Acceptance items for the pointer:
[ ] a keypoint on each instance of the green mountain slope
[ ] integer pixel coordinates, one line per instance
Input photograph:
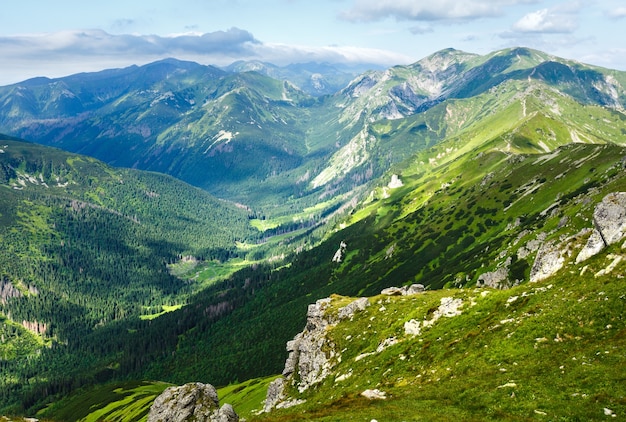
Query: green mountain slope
(548, 350)
(459, 236)
(85, 245)
(456, 172)
(261, 141)
(503, 342)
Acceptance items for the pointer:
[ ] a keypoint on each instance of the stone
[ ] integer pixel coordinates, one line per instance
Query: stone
(610, 217)
(412, 328)
(609, 220)
(594, 245)
(275, 394)
(413, 289)
(227, 414)
(292, 358)
(374, 394)
(392, 291)
(340, 252)
(548, 261)
(495, 279)
(349, 310)
(190, 402)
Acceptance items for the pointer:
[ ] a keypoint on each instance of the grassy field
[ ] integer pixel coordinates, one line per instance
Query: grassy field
(131, 401)
(539, 351)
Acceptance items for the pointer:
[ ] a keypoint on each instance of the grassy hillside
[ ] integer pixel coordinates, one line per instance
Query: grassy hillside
(484, 221)
(111, 275)
(85, 246)
(549, 350)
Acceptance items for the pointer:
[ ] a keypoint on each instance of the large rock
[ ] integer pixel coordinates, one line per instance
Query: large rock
(497, 279)
(275, 394)
(191, 402)
(311, 354)
(548, 261)
(609, 220)
(413, 289)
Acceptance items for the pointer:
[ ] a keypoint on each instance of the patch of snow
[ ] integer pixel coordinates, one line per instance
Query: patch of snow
(222, 135)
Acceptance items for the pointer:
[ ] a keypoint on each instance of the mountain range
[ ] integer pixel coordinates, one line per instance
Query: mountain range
(473, 176)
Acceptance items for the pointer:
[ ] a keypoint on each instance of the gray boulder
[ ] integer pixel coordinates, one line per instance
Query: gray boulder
(413, 289)
(190, 402)
(349, 310)
(548, 261)
(495, 279)
(609, 220)
(275, 394)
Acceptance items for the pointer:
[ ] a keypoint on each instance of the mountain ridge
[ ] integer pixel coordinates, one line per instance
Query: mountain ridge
(169, 123)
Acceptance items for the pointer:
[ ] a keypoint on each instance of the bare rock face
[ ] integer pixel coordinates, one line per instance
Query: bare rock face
(311, 354)
(609, 220)
(190, 402)
(497, 279)
(275, 394)
(550, 258)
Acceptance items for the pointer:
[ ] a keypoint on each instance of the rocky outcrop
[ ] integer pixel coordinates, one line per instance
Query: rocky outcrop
(191, 402)
(497, 279)
(609, 220)
(413, 289)
(311, 354)
(7, 290)
(548, 261)
(341, 252)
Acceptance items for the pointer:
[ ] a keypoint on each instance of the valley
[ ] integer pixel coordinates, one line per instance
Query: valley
(478, 177)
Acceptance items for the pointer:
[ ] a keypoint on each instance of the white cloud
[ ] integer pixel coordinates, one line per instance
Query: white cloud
(617, 13)
(556, 20)
(421, 10)
(66, 52)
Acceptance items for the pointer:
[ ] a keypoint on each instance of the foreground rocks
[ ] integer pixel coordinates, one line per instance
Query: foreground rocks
(311, 355)
(191, 402)
(609, 220)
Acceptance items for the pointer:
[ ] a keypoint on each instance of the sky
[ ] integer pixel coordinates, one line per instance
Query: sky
(63, 37)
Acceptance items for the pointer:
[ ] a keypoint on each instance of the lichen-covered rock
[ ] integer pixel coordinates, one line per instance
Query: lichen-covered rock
(190, 402)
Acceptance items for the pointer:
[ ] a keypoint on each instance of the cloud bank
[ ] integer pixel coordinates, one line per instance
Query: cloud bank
(66, 52)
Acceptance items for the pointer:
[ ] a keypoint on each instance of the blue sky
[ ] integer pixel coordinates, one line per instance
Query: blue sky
(57, 38)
